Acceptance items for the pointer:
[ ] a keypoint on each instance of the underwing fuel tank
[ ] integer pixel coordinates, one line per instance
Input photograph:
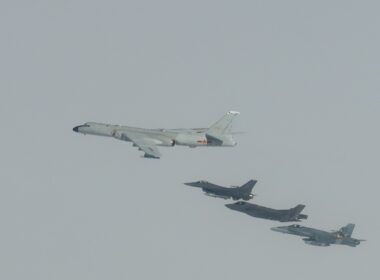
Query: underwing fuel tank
(215, 195)
(315, 243)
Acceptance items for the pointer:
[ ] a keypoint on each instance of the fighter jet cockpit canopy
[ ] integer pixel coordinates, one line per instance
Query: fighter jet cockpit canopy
(240, 203)
(295, 226)
(202, 182)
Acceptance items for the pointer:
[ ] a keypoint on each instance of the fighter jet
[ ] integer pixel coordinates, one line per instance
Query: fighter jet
(318, 237)
(254, 210)
(235, 192)
(147, 140)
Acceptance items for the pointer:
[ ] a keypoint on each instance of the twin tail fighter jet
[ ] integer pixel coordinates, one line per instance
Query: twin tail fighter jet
(147, 140)
(318, 237)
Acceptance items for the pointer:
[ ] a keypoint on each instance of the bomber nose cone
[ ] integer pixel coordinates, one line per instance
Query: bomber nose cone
(75, 129)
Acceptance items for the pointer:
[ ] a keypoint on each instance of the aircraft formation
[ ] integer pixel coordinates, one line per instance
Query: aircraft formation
(312, 236)
(220, 135)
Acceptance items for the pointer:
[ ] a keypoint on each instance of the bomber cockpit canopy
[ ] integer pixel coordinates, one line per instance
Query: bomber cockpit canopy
(87, 124)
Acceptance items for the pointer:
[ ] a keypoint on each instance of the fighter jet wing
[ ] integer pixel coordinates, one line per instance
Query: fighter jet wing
(147, 145)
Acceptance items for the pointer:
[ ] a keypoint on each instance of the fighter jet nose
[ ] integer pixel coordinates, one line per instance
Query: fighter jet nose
(192, 184)
(75, 129)
(278, 229)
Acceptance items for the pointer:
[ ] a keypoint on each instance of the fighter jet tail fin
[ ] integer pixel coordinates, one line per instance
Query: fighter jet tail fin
(296, 212)
(224, 125)
(247, 187)
(347, 230)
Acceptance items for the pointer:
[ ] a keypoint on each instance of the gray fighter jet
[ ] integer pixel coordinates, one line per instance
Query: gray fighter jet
(254, 210)
(318, 237)
(235, 192)
(147, 140)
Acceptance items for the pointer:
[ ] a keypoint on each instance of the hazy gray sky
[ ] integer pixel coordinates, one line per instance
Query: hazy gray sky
(303, 74)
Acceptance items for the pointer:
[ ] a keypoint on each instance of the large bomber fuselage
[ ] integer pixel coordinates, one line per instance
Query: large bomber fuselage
(162, 137)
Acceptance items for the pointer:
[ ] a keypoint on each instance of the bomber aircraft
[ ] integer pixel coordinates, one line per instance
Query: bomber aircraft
(254, 210)
(318, 237)
(147, 140)
(244, 192)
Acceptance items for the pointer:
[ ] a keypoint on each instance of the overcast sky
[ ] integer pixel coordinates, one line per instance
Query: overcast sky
(303, 74)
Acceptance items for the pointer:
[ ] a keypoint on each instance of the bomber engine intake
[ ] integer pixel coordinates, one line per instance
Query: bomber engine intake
(165, 142)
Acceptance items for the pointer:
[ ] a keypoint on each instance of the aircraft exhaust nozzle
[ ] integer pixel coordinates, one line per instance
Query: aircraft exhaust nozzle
(302, 217)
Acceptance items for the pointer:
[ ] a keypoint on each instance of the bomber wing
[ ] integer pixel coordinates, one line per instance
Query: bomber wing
(145, 144)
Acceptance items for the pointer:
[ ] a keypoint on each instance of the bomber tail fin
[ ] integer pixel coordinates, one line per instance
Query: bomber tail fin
(224, 125)
(347, 230)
